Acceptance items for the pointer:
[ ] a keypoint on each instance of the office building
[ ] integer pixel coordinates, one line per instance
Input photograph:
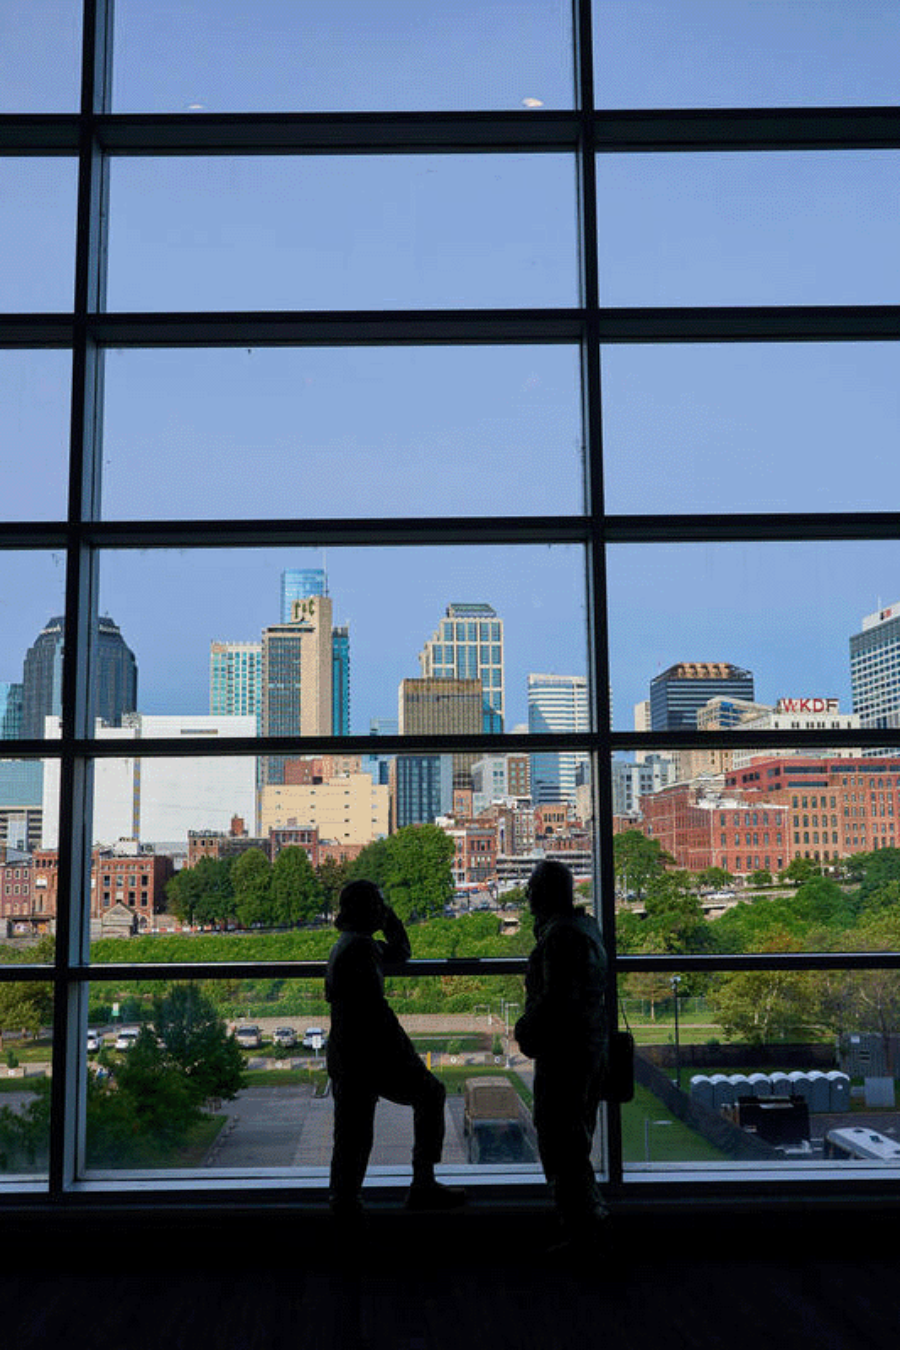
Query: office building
(340, 680)
(557, 704)
(875, 669)
(297, 677)
(679, 692)
(421, 788)
(159, 800)
(114, 676)
(235, 680)
(348, 808)
(299, 583)
(438, 706)
(10, 710)
(468, 645)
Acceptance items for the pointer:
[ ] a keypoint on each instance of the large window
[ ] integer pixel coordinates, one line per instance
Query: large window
(478, 423)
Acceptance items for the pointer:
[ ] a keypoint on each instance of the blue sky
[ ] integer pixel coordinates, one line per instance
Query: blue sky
(459, 431)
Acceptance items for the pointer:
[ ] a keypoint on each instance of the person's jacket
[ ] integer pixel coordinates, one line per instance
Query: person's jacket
(365, 1036)
(565, 991)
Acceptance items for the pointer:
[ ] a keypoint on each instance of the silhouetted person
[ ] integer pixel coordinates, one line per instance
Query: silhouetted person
(370, 1056)
(563, 1029)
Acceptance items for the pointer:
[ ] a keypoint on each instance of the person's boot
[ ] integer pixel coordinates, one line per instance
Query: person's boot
(426, 1192)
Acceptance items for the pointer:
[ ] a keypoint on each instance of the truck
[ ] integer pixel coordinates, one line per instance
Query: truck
(496, 1125)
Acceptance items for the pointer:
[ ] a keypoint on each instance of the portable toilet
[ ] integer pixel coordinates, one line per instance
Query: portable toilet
(839, 1090)
(781, 1084)
(760, 1084)
(740, 1086)
(799, 1085)
(702, 1089)
(819, 1091)
(723, 1093)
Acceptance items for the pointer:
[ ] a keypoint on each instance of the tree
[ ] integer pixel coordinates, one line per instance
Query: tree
(761, 1006)
(333, 876)
(714, 878)
(251, 877)
(27, 1005)
(197, 1042)
(761, 877)
(296, 893)
(370, 864)
(799, 870)
(675, 921)
(419, 880)
(202, 894)
(637, 861)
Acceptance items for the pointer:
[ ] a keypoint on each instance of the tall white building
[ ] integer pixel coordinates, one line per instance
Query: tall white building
(557, 703)
(157, 800)
(875, 669)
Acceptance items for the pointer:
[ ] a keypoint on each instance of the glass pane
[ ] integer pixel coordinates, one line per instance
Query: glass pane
(797, 625)
(26, 1015)
(37, 233)
(762, 1069)
(342, 56)
(361, 620)
(349, 432)
(40, 55)
(690, 53)
(337, 232)
(792, 228)
(681, 434)
(158, 1099)
(27, 906)
(33, 585)
(34, 430)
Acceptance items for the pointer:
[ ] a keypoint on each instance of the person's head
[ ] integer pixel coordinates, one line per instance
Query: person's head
(550, 891)
(360, 908)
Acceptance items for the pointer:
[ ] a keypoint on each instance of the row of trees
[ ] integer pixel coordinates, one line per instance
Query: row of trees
(412, 866)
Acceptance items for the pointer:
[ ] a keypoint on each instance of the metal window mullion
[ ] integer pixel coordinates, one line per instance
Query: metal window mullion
(595, 556)
(76, 770)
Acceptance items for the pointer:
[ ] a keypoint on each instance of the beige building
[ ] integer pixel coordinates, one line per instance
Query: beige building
(351, 809)
(719, 714)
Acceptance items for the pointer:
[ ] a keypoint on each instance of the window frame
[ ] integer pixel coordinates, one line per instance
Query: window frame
(94, 135)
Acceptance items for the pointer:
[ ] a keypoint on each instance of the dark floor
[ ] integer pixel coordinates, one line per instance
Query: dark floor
(476, 1279)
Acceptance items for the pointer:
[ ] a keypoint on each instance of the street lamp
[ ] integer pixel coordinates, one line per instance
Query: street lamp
(506, 1008)
(675, 982)
(647, 1123)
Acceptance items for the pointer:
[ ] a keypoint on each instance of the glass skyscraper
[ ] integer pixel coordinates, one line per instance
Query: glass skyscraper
(875, 669)
(678, 693)
(557, 703)
(299, 583)
(115, 676)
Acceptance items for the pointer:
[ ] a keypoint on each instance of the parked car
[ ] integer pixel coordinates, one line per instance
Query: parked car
(94, 1041)
(284, 1037)
(314, 1038)
(248, 1037)
(127, 1037)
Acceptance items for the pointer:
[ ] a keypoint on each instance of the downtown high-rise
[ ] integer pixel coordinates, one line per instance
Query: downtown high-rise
(468, 645)
(114, 676)
(297, 677)
(557, 703)
(875, 669)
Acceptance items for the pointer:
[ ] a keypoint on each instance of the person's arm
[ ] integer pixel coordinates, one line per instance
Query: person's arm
(395, 949)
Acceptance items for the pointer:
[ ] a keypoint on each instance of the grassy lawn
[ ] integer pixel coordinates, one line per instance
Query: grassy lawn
(27, 1051)
(276, 1077)
(468, 1045)
(668, 1143)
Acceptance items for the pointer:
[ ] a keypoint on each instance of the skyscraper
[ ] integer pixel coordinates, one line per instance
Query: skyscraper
(468, 645)
(235, 680)
(677, 693)
(115, 676)
(297, 677)
(10, 710)
(557, 703)
(340, 680)
(437, 706)
(299, 583)
(875, 669)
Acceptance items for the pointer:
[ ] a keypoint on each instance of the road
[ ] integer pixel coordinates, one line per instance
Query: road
(290, 1127)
